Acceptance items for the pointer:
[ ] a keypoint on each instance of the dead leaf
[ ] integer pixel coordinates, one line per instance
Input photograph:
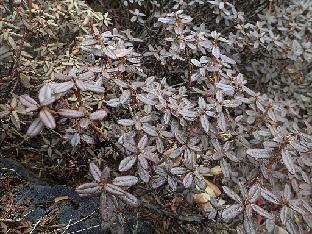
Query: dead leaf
(216, 170)
(215, 188)
(60, 198)
(206, 205)
(201, 198)
(175, 203)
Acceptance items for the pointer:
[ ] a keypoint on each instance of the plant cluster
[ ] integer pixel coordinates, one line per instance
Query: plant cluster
(175, 94)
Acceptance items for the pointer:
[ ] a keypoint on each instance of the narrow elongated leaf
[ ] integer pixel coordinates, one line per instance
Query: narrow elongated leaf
(213, 68)
(88, 189)
(113, 102)
(188, 114)
(35, 127)
(270, 225)
(291, 227)
(202, 103)
(108, 210)
(130, 200)
(98, 115)
(87, 185)
(48, 101)
(248, 225)
(105, 174)
(288, 161)
(88, 75)
(254, 192)
(60, 76)
(143, 142)
(166, 20)
(27, 101)
(269, 196)
(127, 163)
(15, 119)
(122, 52)
(151, 157)
(150, 130)
(284, 214)
(221, 122)
(188, 180)
(113, 189)
(259, 153)
(216, 51)
(261, 211)
(88, 139)
(158, 181)
(121, 83)
(232, 103)
(227, 59)
(70, 113)
(205, 123)
(232, 211)
(232, 194)
(45, 93)
(307, 206)
(126, 181)
(287, 192)
(81, 85)
(130, 147)
(109, 53)
(47, 118)
(143, 162)
(62, 87)
(296, 204)
(126, 122)
(225, 87)
(75, 140)
(95, 172)
(189, 158)
(143, 173)
(94, 88)
(145, 99)
(172, 183)
(125, 96)
(159, 145)
(225, 168)
(176, 153)
(195, 62)
(178, 170)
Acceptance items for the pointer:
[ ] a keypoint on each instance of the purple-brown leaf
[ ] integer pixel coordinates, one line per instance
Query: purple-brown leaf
(47, 118)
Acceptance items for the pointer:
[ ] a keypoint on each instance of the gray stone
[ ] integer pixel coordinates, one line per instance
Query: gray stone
(79, 214)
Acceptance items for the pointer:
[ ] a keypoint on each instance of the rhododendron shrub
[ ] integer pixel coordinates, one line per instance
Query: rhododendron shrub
(183, 112)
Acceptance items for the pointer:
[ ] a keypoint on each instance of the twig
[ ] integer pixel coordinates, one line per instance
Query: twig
(99, 131)
(35, 226)
(67, 226)
(85, 229)
(30, 8)
(72, 224)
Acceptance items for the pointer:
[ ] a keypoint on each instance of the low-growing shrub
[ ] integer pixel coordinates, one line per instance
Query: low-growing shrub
(171, 96)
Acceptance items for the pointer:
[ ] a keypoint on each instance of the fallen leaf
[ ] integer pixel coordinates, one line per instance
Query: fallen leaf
(60, 198)
(206, 205)
(175, 203)
(169, 151)
(216, 170)
(215, 188)
(201, 198)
